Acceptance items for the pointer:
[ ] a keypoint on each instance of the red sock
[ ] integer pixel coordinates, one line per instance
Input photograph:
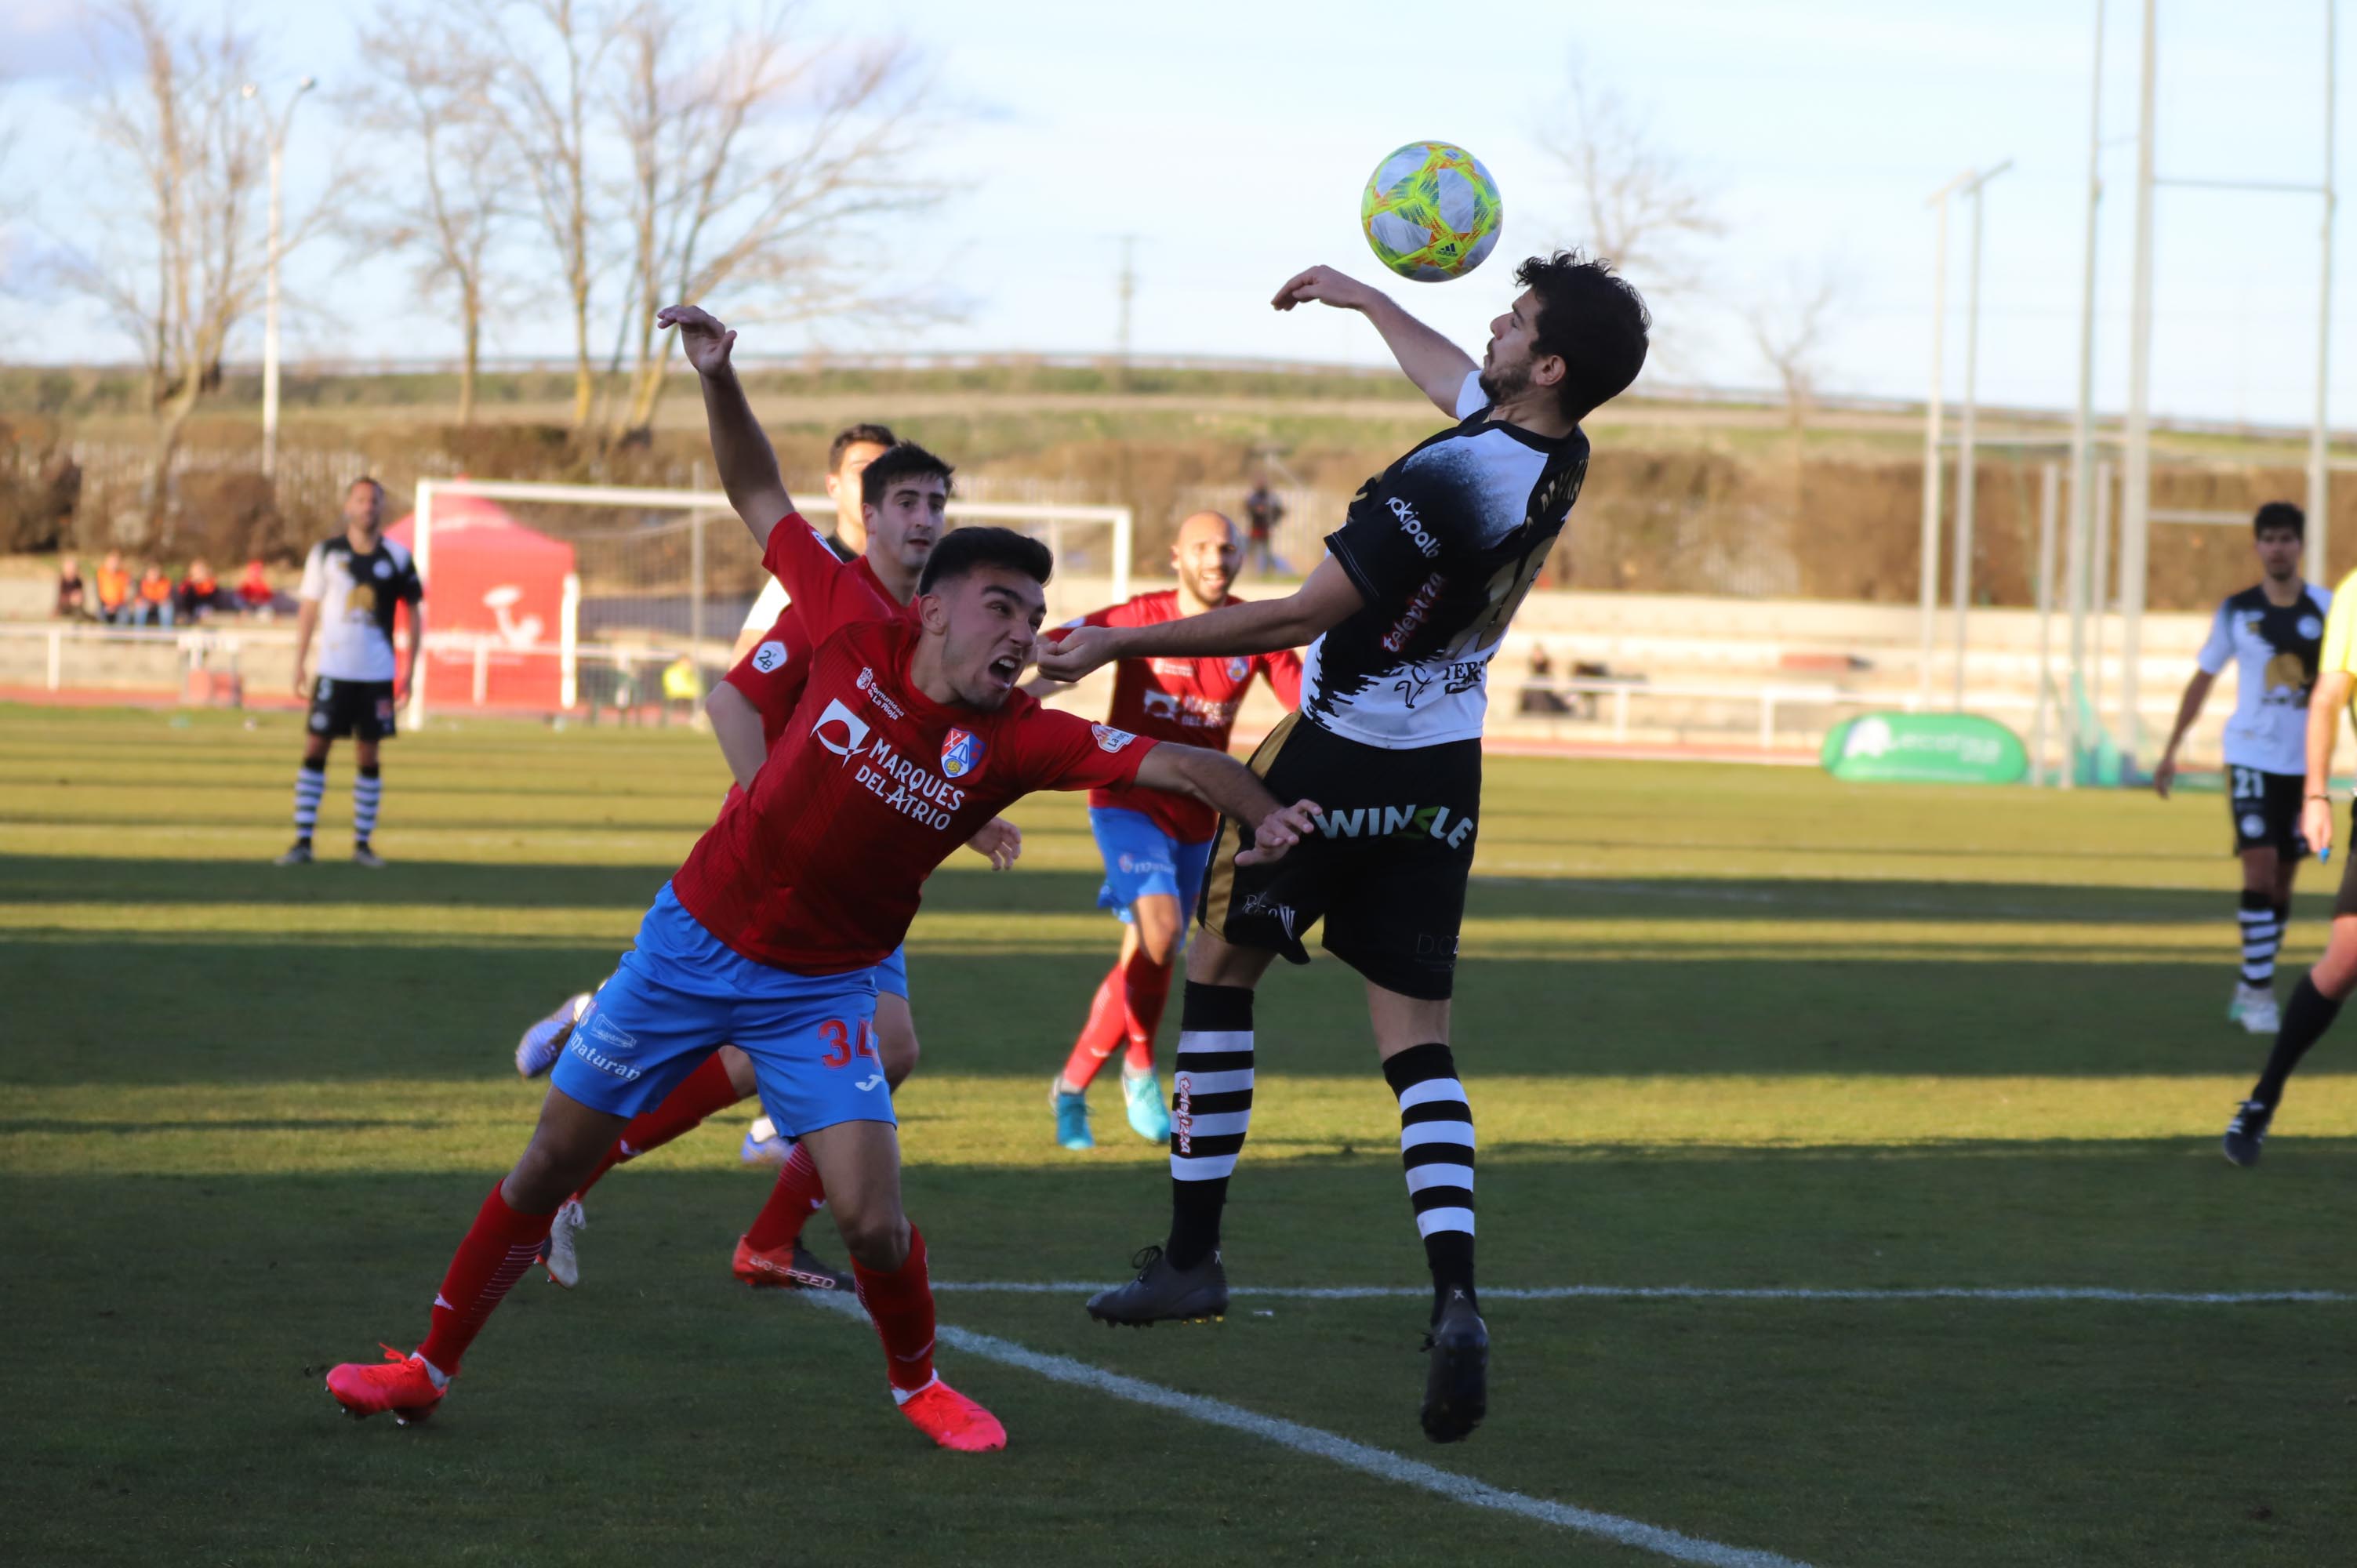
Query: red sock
(902, 1306)
(1102, 1036)
(798, 1194)
(699, 1094)
(499, 1246)
(1146, 986)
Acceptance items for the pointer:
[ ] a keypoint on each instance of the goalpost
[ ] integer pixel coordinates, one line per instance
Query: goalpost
(549, 595)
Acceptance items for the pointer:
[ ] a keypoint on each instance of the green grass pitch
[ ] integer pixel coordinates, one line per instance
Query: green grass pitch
(1721, 1028)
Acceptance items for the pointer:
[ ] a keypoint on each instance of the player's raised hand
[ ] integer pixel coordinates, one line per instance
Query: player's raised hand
(701, 337)
(2316, 823)
(1325, 286)
(1279, 831)
(1075, 650)
(1000, 843)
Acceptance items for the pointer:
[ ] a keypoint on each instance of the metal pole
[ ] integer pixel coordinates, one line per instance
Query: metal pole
(1929, 556)
(696, 582)
(270, 294)
(2103, 581)
(2049, 497)
(2319, 493)
(2084, 418)
(2136, 500)
(1960, 575)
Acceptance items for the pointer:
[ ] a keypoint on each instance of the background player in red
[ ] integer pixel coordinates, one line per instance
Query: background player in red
(1154, 845)
(909, 736)
(907, 492)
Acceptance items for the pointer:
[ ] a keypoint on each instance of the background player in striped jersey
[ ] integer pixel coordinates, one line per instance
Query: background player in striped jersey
(2315, 1000)
(1154, 845)
(1434, 556)
(909, 736)
(352, 584)
(2271, 633)
(905, 494)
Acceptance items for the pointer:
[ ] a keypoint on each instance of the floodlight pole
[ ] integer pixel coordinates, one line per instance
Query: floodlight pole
(2083, 424)
(1968, 447)
(2136, 501)
(1930, 586)
(270, 308)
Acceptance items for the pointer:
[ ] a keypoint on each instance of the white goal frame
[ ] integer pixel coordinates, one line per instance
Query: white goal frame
(567, 648)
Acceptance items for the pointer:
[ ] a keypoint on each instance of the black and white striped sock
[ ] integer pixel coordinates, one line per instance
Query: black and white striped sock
(2262, 929)
(1211, 1106)
(1436, 1150)
(310, 783)
(368, 789)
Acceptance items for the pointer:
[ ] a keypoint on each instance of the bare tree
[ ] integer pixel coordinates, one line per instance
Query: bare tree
(755, 166)
(537, 64)
(448, 202)
(1792, 328)
(1641, 210)
(180, 259)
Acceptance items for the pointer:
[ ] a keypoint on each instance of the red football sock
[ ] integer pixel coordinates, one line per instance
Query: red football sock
(1146, 986)
(499, 1246)
(798, 1194)
(1102, 1036)
(699, 1094)
(901, 1304)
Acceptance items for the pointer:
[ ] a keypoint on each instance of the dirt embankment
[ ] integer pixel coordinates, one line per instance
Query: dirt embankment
(1653, 519)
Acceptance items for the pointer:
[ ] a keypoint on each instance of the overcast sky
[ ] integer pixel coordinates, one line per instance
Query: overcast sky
(1233, 140)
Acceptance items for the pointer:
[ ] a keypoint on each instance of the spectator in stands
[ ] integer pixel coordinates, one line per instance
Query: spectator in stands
(114, 590)
(155, 602)
(72, 596)
(1540, 699)
(198, 593)
(254, 593)
(1263, 512)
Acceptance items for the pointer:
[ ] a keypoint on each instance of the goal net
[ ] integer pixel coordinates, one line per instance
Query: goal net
(552, 599)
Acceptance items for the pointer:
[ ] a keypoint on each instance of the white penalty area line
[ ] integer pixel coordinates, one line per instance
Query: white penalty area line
(1705, 1293)
(1380, 1463)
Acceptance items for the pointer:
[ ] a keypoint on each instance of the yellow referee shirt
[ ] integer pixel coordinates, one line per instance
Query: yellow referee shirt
(2340, 651)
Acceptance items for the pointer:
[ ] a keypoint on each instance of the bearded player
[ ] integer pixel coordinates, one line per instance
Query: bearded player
(909, 736)
(1155, 844)
(905, 493)
(848, 457)
(2272, 633)
(1419, 585)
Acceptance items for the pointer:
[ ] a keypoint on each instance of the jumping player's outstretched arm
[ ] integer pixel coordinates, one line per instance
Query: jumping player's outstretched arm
(1435, 364)
(1219, 780)
(748, 468)
(1263, 626)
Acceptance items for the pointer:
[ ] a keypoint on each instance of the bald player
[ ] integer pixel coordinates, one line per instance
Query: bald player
(1155, 844)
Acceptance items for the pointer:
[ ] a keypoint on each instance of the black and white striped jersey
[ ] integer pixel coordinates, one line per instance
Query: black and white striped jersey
(1442, 545)
(356, 595)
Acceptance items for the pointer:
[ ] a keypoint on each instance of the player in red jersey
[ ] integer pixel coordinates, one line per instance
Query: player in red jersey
(905, 493)
(910, 734)
(1155, 846)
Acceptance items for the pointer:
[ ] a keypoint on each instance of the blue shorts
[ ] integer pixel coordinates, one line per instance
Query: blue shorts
(892, 974)
(1140, 858)
(681, 993)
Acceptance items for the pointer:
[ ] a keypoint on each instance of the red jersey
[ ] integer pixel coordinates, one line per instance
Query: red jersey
(1191, 701)
(771, 675)
(820, 868)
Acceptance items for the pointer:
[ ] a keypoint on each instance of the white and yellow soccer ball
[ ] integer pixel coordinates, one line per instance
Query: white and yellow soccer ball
(1431, 211)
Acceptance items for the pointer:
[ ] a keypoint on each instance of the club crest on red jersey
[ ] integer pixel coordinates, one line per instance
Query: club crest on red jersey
(961, 752)
(1239, 669)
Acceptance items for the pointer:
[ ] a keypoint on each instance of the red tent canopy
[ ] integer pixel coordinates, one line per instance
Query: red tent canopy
(491, 577)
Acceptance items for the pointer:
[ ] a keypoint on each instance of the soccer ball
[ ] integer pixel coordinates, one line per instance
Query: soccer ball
(1431, 211)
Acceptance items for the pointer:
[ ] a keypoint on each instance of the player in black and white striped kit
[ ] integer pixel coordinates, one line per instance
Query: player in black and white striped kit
(1403, 617)
(2272, 634)
(352, 584)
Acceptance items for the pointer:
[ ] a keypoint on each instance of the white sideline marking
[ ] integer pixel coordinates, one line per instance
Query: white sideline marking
(1379, 1463)
(1705, 1293)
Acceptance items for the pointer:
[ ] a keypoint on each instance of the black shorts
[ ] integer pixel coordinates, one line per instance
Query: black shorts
(1386, 871)
(2265, 809)
(358, 708)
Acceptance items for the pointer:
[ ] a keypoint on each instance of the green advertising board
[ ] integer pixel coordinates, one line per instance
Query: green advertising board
(1925, 749)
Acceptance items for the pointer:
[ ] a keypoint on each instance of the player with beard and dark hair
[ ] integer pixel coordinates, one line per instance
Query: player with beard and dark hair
(1401, 618)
